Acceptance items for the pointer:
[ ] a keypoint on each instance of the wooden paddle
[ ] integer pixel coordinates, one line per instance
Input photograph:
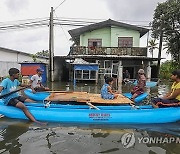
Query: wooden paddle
(5, 95)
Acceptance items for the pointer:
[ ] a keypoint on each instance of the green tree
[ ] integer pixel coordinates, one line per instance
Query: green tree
(166, 26)
(44, 53)
(166, 69)
(34, 57)
(152, 45)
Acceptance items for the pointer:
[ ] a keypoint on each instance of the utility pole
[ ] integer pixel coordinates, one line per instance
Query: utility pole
(51, 46)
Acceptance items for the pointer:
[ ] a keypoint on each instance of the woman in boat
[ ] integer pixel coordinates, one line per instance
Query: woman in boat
(10, 84)
(139, 88)
(106, 90)
(172, 98)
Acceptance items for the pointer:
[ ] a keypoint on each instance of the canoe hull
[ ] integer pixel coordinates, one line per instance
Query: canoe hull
(39, 96)
(138, 99)
(123, 115)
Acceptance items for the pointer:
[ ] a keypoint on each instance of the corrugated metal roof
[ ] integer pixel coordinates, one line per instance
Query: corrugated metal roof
(81, 61)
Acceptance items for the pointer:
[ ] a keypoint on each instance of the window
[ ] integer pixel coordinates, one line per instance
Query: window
(85, 74)
(108, 64)
(94, 42)
(125, 42)
(78, 74)
(93, 75)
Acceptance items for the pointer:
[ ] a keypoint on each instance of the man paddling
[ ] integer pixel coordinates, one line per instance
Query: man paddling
(10, 84)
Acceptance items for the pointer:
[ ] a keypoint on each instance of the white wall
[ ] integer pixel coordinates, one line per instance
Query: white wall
(17, 57)
(5, 66)
(12, 59)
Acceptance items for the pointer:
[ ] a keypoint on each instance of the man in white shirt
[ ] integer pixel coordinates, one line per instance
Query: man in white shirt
(36, 82)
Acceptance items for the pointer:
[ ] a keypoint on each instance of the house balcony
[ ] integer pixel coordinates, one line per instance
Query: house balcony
(119, 51)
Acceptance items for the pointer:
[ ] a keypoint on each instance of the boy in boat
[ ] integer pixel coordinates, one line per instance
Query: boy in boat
(10, 84)
(139, 88)
(172, 98)
(36, 82)
(106, 90)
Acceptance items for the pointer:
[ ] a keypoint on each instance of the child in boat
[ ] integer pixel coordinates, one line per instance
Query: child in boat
(36, 82)
(139, 88)
(10, 84)
(106, 90)
(172, 98)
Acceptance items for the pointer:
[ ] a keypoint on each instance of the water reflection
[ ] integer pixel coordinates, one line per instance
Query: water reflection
(21, 137)
(10, 137)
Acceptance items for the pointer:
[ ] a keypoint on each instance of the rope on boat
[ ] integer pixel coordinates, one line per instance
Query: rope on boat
(46, 103)
(134, 106)
(1, 116)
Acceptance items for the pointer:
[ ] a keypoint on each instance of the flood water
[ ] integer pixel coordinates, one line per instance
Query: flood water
(23, 137)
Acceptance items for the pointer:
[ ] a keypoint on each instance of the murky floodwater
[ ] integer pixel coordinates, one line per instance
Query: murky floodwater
(18, 136)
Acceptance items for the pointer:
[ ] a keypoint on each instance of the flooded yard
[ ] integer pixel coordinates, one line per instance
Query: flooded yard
(19, 136)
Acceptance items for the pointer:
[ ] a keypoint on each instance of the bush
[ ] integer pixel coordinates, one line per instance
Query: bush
(166, 69)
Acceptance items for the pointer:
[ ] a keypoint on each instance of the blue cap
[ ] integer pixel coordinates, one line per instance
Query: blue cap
(40, 70)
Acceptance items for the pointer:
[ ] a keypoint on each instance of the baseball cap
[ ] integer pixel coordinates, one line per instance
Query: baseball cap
(40, 70)
(141, 71)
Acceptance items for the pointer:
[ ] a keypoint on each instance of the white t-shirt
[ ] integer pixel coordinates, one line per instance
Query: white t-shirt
(36, 80)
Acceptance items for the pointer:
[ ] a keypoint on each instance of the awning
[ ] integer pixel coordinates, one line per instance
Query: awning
(86, 67)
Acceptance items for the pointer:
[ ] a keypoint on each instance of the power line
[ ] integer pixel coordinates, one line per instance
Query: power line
(105, 19)
(27, 23)
(59, 4)
(63, 30)
(19, 21)
(90, 22)
(31, 23)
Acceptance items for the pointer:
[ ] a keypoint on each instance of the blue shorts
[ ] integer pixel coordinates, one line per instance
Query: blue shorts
(108, 96)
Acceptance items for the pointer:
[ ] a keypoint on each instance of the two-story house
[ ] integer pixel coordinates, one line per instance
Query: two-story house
(114, 46)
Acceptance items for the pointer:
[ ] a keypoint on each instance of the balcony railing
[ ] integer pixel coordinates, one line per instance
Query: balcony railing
(119, 51)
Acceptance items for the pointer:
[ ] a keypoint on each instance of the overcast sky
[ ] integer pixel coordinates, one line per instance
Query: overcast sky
(32, 40)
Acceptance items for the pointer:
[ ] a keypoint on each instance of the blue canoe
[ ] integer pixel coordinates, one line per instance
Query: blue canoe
(85, 115)
(149, 84)
(40, 96)
(138, 99)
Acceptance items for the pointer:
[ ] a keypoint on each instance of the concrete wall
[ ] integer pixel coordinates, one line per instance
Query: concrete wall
(61, 72)
(17, 57)
(122, 32)
(5, 66)
(110, 36)
(103, 34)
